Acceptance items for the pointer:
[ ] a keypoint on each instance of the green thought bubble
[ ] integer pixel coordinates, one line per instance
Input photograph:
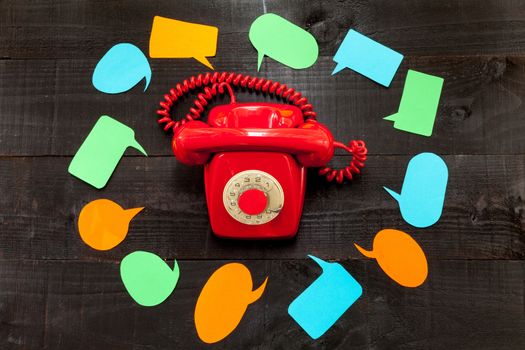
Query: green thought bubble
(280, 39)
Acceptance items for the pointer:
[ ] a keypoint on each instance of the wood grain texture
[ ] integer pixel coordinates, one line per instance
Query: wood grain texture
(53, 104)
(57, 293)
(72, 305)
(483, 215)
(43, 29)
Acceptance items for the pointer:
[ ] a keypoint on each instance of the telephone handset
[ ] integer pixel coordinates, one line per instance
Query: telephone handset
(255, 155)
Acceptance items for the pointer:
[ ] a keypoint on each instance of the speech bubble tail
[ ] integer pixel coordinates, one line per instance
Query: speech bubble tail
(338, 68)
(323, 264)
(148, 79)
(205, 62)
(133, 211)
(175, 267)
(391, 117)
(260, 57)
(256, 294)
(138, 147)
(394, 195)
(367, 253)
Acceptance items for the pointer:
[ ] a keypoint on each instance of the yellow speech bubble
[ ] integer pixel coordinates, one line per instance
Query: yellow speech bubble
(171, 38)
(224, 300)
(399, 256)
(103, 224)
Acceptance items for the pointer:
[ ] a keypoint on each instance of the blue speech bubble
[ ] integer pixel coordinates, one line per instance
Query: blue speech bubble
(120, 69)
(423, 192)
(320, 305)
(367, 57)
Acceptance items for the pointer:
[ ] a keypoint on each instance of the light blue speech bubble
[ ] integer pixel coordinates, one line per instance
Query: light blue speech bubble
(367, 57)
(320, 305)
(423, 193)
(120, 69)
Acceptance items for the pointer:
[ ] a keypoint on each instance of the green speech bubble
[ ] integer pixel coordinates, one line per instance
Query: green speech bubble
(419, 103)
(147, 278)
(100, 153)
(280, 39)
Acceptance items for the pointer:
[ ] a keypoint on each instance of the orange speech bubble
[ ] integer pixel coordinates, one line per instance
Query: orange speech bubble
(399, 256)
(171, 38)
(103, 224)
(224, 300)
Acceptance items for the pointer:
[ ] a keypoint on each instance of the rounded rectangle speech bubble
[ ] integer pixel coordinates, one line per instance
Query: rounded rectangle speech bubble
(171, 38)
(285, 42)
(367, 57)
(419, 103)
(101, 151)
(320, 305)
(423, 193)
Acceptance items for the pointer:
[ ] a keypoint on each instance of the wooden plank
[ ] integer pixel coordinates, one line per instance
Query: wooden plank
(40, 203)
(47, 107)
(43, 29)
(72, 305)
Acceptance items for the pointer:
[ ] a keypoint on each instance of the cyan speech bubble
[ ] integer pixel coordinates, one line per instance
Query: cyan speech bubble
(285, 42)
(423, 192)
(120, 69)
(320, 305)
(367, 57)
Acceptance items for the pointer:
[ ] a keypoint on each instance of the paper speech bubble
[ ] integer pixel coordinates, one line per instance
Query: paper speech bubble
(423, 192)
(171, 38)
(147, 278)
(320, 305)
(101, 151)
(103, 224)
(419, 103)
(399, 256)
(120, 69)
(367, 57)
(285, 42)
(224, 300)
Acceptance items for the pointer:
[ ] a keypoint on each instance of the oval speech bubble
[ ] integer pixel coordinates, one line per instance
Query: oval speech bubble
(147, 278)
(224, 300)
(285, 42)
(423, 193)
(103, 224)
(399, 256)
(120, 69)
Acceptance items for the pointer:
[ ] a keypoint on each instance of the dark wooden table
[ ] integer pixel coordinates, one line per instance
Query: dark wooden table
(57, 293)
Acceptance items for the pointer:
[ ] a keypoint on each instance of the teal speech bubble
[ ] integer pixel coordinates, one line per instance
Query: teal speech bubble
(423, 193)
(285, 42)
(120, 69)
(368, 57)
(320, 305)
(99, 154)
(147, 278)
(419, 103)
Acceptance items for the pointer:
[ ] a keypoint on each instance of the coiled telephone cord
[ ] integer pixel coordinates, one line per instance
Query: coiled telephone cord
(216, 83)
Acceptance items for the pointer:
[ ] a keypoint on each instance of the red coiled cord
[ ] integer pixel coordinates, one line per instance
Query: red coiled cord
(214, 83)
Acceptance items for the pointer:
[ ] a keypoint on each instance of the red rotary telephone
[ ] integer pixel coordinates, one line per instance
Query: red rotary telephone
(255, 154)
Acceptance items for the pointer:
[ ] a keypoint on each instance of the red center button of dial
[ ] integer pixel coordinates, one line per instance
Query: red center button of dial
(253, 201)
